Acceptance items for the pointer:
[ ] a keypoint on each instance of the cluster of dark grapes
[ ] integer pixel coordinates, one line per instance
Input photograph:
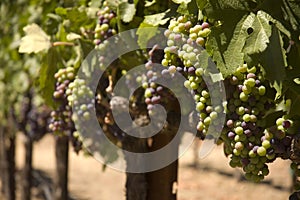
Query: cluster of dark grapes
(61, 117)
(249, 144)
(104, 30)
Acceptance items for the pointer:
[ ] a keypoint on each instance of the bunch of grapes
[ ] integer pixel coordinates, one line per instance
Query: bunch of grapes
(250, 144)
(82, 100)
(104, 28)
(153, 91)
(61, 117)
(186, 39)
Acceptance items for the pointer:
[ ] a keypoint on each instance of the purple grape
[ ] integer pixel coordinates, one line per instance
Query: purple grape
(251, 75)
(286, 124)
(231, 135)
(205, 25)
(155, 99)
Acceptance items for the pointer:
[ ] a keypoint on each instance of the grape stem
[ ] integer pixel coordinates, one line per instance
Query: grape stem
(60, 43)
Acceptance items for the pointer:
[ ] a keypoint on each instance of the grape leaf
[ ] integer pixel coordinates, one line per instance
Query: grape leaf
(145, 32)
(35, 40)
(157, 19)
(273, 60)
(232, 4)
(233, 55)
(148, 28)
(201, 4)
(259, 37)
(46, 79)
(287, 12)
(126, 11)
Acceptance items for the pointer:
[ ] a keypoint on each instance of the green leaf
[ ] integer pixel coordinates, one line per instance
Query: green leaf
(233, 55)
(126, 11)
(270, 119)
(145, 32)
(35, 40)
(156, 19)
(260, 32)
(273, 61)
(61, 11)
(201, 4)
(114, 4)
(233, 4)
(148, 28)
(46, 79)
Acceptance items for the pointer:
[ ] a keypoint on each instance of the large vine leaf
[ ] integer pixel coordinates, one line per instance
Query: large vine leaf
(287, 12)
(261, 30)
(35, 40)
(234, 57)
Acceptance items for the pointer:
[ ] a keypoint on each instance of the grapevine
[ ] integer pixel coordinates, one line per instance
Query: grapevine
(254, 46)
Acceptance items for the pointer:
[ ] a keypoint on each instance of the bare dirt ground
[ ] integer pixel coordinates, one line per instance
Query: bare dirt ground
(213, 179)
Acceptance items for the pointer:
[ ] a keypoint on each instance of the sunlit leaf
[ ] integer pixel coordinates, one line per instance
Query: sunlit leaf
(35, 40)
(126, 11)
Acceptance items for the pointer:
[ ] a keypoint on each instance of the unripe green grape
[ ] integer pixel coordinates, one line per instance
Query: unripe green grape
(213, 115)
(261, 151)
(200, 106)
(243, 97)
(240, 110)
(207, 121)
(262, 90)
(148, 93)
(194, 85)
(246, 117)
(279, 121)
(239, 130)
(266, 144)
(197, 98)
(204, 33)
(202, 99)
(250, 82)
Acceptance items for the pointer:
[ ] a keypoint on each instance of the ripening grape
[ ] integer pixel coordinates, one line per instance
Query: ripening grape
(246, 106)
(105, 27)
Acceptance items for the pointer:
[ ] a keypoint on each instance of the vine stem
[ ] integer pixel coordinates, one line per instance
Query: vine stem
(60, 43)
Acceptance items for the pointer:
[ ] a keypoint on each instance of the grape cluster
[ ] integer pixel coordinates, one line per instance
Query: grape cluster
(186, 39)
(104, 28)
(82, 99)
(153, 91)
(61, 117)
(250, 144)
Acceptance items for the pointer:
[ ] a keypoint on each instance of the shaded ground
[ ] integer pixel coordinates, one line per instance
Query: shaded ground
(212, 179)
